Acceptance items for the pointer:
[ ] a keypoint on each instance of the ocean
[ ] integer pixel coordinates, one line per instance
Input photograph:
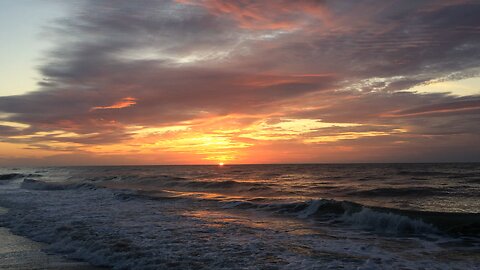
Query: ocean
(302, 216)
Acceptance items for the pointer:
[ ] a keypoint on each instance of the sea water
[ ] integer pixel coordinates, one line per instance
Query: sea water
(311, 216)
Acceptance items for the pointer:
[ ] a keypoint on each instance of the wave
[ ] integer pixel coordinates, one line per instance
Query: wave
(454, 223)
(451, 175)
(160, 182)
(407, 191)
(11, 176)
(423, 173)
(379, 219)
(230, 184)
(307, 209)
(183, 184)
(34, 184)
(388, 222)
(474, 180)
(464, 175)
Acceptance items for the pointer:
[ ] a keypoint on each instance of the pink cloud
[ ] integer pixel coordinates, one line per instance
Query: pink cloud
(124, 103)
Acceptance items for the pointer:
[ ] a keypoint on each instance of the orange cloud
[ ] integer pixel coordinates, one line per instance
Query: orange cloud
(124, 103)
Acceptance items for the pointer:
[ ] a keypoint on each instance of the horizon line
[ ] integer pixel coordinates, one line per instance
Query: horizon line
(250, 164)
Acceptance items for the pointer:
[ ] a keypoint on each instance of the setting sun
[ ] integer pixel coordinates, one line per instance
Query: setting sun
(221, 164)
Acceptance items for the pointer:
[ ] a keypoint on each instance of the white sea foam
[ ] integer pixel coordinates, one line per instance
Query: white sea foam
(388, 222)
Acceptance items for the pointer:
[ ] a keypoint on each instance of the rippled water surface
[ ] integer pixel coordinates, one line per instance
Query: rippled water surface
(358, 216)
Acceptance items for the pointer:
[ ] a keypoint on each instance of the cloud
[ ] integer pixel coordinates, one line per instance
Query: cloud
(239, 72)
(123, 103)
(467, 106)
(266, 15)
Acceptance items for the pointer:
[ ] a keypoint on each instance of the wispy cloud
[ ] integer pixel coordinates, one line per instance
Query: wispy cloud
(124, 103)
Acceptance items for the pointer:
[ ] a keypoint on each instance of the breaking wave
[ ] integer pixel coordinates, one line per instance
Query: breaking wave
(384, 220)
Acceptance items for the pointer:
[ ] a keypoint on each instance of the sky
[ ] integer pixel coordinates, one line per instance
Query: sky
(202, 82)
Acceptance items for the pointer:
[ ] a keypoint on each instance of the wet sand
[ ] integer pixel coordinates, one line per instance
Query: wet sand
(18, 252)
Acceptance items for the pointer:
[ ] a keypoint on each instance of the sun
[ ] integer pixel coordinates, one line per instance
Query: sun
(221, 164)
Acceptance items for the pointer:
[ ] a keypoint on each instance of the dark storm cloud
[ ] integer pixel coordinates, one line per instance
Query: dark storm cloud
(186, 60)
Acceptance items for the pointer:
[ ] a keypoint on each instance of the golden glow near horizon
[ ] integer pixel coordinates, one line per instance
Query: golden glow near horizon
(204, 142)
(217, 138)
(254, 82)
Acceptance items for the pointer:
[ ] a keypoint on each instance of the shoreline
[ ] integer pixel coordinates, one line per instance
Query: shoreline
(18, 253)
